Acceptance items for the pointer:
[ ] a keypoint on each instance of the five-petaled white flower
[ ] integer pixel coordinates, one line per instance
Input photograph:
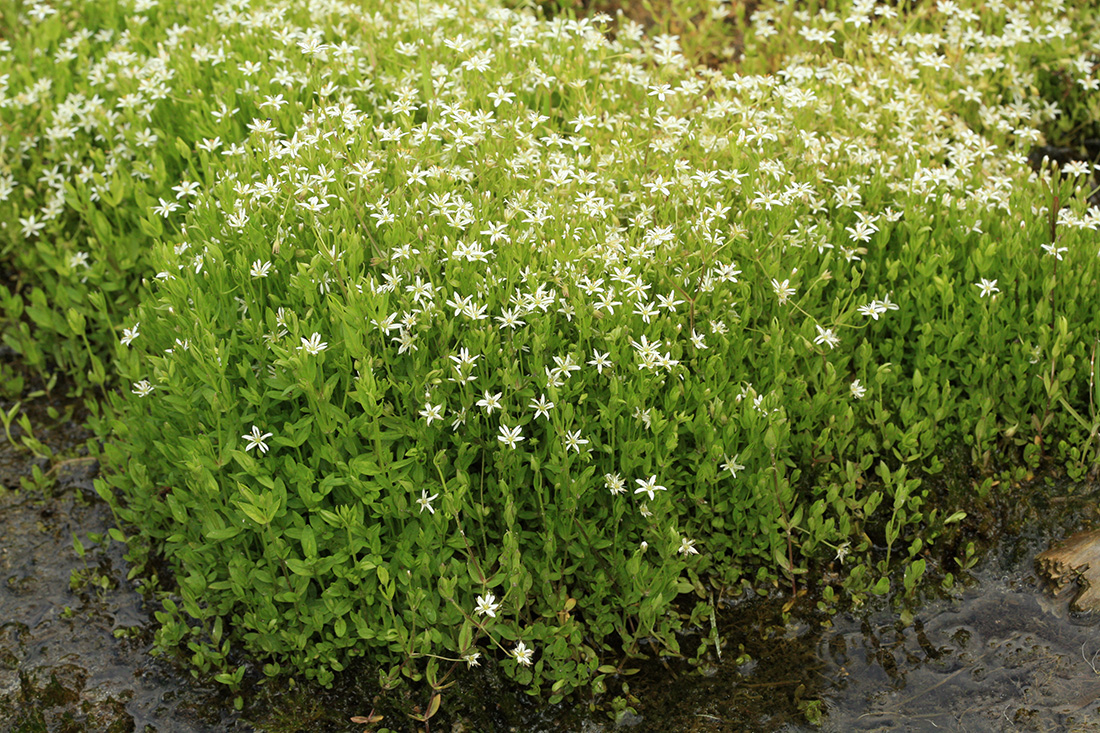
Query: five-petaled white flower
(687, 547)
(600, 361)
(487, 606)
(510, 436)
(432, 412)
(129, 334)
(826, 336)
(523, 654)
(142, 388)
(614, 483)
(987, 287)
(256, 440)
(732, 465)
(648, 486)
(165, 208)
(472, 659)
(313, 345)
(783, 290)
(542, 407)
(490, 402)
(575, 441)
(858, 390)
(425, 501)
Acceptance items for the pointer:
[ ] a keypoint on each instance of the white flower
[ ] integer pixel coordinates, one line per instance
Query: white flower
(31, 226)
(510, 436)
(523, 654)
(129, 334)
(600, 361)
(425, 501)
(783, 290)
(490, 402)
(615, 483)
(1055, 250)
(313, 345)
(987, 287)
(471, 659)
(858, 390)
(542, 407)
(142, 388)
(431, 412)
(826, 336)
(165, 208)
(260, 269)
(687, 547)
(873, 309)
(186, 188)
(256, 440)
(732, 465)
(648, 486)
(575, 441)
(487, 606)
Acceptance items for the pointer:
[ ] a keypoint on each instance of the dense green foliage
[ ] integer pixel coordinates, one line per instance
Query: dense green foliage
(486, 336)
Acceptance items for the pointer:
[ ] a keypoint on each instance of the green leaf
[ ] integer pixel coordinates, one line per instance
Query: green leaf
(225, 533)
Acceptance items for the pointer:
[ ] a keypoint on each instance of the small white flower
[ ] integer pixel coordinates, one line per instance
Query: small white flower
(574, 440)
(313, 345)
(783, 290)
(165, 208)
(732, 465)
(687, 547)
(129, 334)
(600, 361)
(874, 309)
(432, 412)
(523, 654)
(987, 287)
(648, 486)
(510, 436)
(472, 659)
(1055, 250)
(425, 501)
(490, 402)
(615, 483)
(487, 606)
(256, 440)
(858, 390)
(260, 269)
(542, 407)
(186, 188)
(826, 336)
(142, 388)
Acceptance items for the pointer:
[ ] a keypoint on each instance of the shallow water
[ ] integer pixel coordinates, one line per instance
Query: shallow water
(999, 654)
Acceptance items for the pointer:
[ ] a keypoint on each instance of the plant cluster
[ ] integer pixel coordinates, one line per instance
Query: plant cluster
(466, 335)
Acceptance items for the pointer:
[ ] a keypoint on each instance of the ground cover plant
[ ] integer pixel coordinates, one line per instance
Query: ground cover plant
(479, 336)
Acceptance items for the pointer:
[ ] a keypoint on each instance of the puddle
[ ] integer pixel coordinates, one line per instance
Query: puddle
(1002, 654)
(61, 666)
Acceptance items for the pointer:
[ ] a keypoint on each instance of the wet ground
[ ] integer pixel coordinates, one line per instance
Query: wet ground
(998, 653)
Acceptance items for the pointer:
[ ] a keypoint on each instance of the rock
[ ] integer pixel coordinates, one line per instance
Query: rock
(1075, 559)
